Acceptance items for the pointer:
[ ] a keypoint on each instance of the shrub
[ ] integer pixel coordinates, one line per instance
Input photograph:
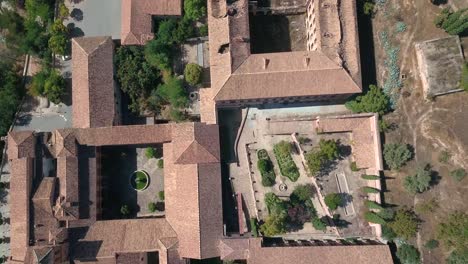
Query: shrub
(408, 254)
(396, 155)
(160, 163)
(58, 40)
(195, 9)
(334, 200)
(427, 206)
(374, 101)
(152, 207)
(274, 204)
(419, 182)
(354, 166)
(368, 189)
(373, 205)
(452, 231)
(262, 154)
(125, 210)
(405, 224)
(161, 195)
(400, 27)
(203, 31)
(458, 174)
(287, 166)
(370, 177)
(431, 244)
(193, 73)
(458, 257)
(444, 156)
(265, 166)
(319, 224)
(150, 153)
(372, 217)
(254, 226)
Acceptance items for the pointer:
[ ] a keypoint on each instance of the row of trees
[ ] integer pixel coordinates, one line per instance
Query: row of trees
(10, 95)
(454, 23)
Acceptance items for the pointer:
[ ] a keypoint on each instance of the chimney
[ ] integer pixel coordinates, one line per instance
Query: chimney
(307, 62)
(265, 63)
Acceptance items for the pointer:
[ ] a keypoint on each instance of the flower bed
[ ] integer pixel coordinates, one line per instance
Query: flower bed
(285, 162)
(265, 166)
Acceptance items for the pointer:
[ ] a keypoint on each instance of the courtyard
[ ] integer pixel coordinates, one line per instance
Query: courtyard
(132, 178)
(262, 130)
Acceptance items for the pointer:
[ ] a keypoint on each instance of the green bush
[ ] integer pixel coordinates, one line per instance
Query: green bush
(286, 164)
(319, 224)
(150, 153)
(193, 74)
(265, 166)
(161, 195)
(452, 231)
(387, 214)
(152, 207)
(458, 174)
(407, 254)
(368, 189)
(329, 148)
(315, 161)
(275, 224)
(372, 217)
(454, 23)
(431, 244)
(396, 155)
(58, 40)
(370, 177)
(173, 92)
(334, 200)
(254, 226)
(48, 83)
(373, 205)
(444, 156)
(458, 257)
(354, 166)
(405, 224)
(125, 210)
(203, 31)
(425, 207)
(388, 233)
(160, 163)
(419, 182)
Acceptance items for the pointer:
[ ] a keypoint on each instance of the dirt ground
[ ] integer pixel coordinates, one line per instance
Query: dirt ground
(430, 127)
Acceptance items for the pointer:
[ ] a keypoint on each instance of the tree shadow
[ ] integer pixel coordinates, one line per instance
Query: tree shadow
(74, 31)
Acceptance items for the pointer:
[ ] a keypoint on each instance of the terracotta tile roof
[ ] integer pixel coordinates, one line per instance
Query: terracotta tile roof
(20, 188)
(93, 82)
(365, 136)
(21, 145)
(125, 135)
(64, 142)
(190, 187)
(105, 238)
(67, 173)
(136, 18)
(238, 75)
(363, 254)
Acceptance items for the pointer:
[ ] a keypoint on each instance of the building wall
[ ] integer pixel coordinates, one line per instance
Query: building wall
(311, 25)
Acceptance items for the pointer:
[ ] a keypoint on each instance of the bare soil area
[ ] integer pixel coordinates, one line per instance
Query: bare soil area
(430, 127)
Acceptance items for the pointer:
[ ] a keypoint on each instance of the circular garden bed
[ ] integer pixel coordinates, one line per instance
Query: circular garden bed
(139, 180)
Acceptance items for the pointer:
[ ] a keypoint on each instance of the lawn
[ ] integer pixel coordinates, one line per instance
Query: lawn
(286, 164)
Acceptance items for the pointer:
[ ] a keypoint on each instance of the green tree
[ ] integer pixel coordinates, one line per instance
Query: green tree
(64, 12)
(302, 193)
(334, 200)
(173, 92)
(315, 160)
(54, 87)
(408, 254)
(185, 30)
(193, 73)
(319, 224)
(59, 38)
(195, 9)
(374, 101)
(396, 155)
(275, 224)
(135, 76)
(405, 224)
(36, 88)
(166, 31)
(454, 23)
(419, 182)
(372, 217)
(159, 54)
(10, 95)
(329, 149)
(453, 231)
